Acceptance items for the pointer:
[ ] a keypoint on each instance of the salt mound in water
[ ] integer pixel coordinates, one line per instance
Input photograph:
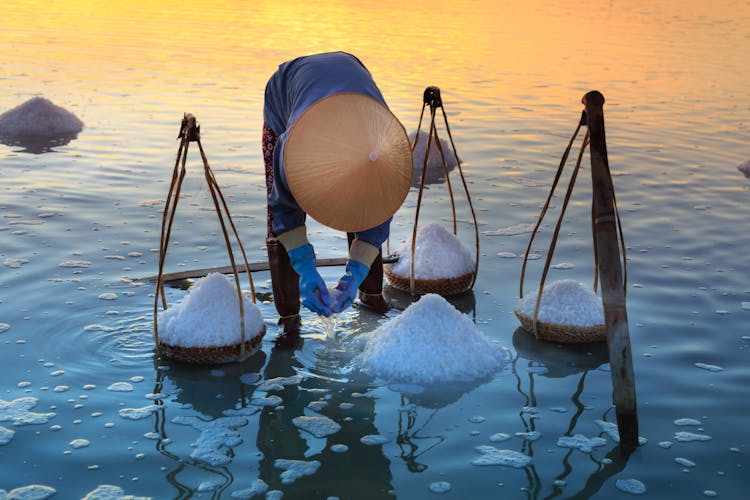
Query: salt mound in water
(208, 316)
(435, 171)
(39, 117)
(438, 254)
(564, 302)
(745, 168)
(430, 342)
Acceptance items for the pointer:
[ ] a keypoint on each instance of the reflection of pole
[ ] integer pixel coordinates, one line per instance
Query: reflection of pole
(610, 267)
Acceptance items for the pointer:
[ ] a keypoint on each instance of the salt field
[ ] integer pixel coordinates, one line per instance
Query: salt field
(447, 399)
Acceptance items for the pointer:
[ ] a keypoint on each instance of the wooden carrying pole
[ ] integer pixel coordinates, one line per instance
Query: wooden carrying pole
(610, 267)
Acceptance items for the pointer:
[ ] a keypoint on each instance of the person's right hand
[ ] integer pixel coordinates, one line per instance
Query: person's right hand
(312, 289)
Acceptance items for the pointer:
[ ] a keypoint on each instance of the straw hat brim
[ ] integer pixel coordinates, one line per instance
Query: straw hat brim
(348, 162)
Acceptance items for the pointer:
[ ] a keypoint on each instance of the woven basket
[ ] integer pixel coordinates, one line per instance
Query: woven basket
(213, 355)
(563, 334)
(442, 286)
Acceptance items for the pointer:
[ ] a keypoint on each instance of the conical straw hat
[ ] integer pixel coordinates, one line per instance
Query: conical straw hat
(348, 162)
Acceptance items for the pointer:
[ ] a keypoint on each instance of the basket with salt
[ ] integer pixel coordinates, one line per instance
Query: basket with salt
(204, 327)
(215, 323)
(442, 265)
(569, 313)
(433, 260)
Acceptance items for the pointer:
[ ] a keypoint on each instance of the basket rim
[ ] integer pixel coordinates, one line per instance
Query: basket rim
(252, 339)
(565, 334)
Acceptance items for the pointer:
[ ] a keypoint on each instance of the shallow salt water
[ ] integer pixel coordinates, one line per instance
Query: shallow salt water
(80, 227)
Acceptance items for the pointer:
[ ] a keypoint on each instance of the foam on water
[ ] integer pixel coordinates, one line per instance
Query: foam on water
(258, 488)
(632, 486)
(278, 383)
(495, 456)
(440, 487)
(580, 442)
(687, 437)
(30, 492)
(138, 413)
(319, 426)
(295, 469)
(687, 421)
(565, 302)
(216, 439)
(6, 435)
(430, 342)
(209, 315)
(19, 412)
(373, 439)
(438, 254)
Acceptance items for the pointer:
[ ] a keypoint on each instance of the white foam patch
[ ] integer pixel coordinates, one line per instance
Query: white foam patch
(19, 412)
(438, 254)
(39, 117)
(565, 302)
(269, 401)
(581, 443)
(611, 430)
(138, 413)
(440, 487)
(4, 327)
(495, 456)
(278, 383)
(373, 439)
(110, 492)
(216, 439)
(511, 230)
(710, 368)
(15, 263)
(209, 315)
(319, 426)
(685, 462)
(431, 341)
(75, 264)
(258, 487)
(687, 437)
(632, 486)
(687, 421)
(79, 443)
(32, 492)
(295, 469)
(6, 435)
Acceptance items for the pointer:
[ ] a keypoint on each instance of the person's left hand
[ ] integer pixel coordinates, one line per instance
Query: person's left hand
(348, 285)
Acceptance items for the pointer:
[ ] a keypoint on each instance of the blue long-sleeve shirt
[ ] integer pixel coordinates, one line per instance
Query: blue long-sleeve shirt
(292, 89)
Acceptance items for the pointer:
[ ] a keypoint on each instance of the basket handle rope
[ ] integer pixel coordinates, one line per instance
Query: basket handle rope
(190, 132)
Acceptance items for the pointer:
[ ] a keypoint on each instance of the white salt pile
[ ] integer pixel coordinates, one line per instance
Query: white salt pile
(39, 117)
(430, 342)
(745, 168)
(209, 316)
(435, 169)
(564, 302)
(438, 254)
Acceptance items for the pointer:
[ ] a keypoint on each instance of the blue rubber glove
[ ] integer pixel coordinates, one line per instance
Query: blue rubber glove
(312, 288)
(348, 284)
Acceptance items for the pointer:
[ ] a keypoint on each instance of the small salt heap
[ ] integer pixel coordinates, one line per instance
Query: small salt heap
(564, 302)
(745, 168)
(435, 172)
(39, 117)
(430, 342)
(438, 255)
(208, 316)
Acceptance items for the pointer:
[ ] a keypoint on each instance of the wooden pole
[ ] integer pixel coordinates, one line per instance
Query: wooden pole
(610, 267)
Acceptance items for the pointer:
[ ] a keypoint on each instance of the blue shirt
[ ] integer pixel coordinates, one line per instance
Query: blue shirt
(292, 89)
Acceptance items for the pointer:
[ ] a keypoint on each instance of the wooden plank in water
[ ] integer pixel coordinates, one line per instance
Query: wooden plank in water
(254, 267)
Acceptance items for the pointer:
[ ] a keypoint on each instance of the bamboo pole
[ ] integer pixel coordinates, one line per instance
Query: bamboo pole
(611, 271)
